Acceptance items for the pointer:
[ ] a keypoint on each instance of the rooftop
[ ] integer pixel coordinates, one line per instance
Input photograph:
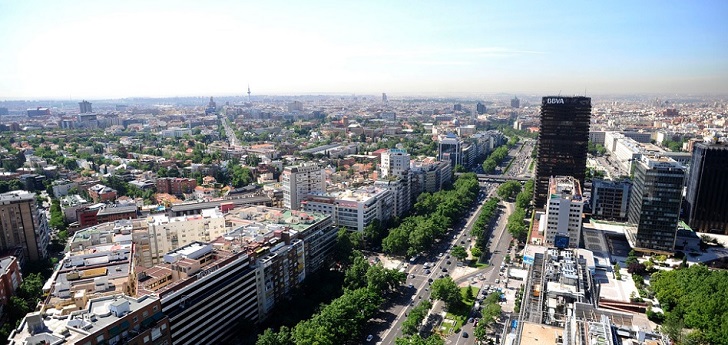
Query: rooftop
(98, 314)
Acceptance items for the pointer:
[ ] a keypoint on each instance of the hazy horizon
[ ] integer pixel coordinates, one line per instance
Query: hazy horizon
(135, 49)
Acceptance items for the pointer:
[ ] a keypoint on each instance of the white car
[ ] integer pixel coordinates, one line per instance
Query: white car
(370, 337)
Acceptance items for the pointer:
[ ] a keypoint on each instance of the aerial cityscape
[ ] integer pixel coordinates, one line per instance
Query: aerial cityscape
(283, 173)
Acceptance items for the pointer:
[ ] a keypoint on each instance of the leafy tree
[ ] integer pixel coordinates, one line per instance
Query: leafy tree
(269, 337)
(476, 252)
(509, 189)
(459, 253)
(412, 324)
(343, 247)
(355, 276)
(617, 273)
(447, 291)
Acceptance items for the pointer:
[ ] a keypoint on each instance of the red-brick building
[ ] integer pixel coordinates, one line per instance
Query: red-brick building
(10, 278)
(176, 185)
(101, 193)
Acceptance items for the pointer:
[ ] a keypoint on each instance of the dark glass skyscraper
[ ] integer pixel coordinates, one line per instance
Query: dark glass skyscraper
(654, 205)
(707, 195)
(562, 141)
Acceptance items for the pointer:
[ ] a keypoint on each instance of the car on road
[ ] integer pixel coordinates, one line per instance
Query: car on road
(411, 286)
(427, 272)
(429, 280)
(444, 269)
(448, 262)
(465, 334)
(370, 337)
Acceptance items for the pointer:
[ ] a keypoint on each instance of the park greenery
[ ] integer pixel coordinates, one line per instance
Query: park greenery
(447, 291)
(434, 214)
(694, 298)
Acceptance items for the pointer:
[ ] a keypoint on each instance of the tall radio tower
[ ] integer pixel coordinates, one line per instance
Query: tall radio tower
(249, 93)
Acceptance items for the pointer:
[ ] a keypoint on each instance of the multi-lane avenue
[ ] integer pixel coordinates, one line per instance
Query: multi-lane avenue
(438, 263)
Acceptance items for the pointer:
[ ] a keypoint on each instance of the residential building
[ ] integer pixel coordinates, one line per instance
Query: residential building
(176, 185)
(395, 163)
(654, 206)
(10, 279)
(169, 233)
(707, 193)
(564, 209)
(401, 193)
(562, 141)
(101, 193)
(450, 149)
(113, 319)
(23, 225)
(610, 199)
(298, 181)
(61, 187)
(90, 215)
(353, 209)
(429, 175)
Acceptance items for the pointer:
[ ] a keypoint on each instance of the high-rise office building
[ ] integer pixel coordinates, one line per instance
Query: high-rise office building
(610, 199)
(562, 141)
(563, 212)
(515, 102)
(298, 181)
(480, 108)
(450, 149)
(654, 205)
(384, 98)
(85, 107)
(23, 225)
(707, 194)
(457, 107)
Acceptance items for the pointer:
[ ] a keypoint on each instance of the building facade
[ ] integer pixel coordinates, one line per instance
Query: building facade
(353, 209)
(176, 185)
(610, 199)
(707, 193)
(654, 206)
(10, 279)
(298, 181)
(23, 225)
(564, 209)
(450, 149)
(395, 163)
(562, 141)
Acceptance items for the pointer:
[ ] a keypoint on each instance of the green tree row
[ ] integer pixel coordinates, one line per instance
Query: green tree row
(434, 214)
(414, 320)
(495, 158)
(517, 226)
(490, 311)
(344, 318)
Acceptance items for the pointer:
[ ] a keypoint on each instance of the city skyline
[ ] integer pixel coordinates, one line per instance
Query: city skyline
(96, 50)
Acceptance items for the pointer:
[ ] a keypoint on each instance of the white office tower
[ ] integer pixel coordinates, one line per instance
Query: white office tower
(564, 208)
(299, 181)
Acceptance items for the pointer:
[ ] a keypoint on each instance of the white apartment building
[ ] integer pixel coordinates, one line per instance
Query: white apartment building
(298, 181)
(564, 209)
(395, 162)
(169, 233)
(353, 209)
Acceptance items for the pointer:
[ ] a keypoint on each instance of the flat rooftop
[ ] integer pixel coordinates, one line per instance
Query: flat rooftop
(533, 333)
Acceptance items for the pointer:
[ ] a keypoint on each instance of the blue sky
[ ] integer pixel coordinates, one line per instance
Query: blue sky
(113, 49)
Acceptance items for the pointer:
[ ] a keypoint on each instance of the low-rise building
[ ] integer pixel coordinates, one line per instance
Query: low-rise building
(101, 193)
(168, 233)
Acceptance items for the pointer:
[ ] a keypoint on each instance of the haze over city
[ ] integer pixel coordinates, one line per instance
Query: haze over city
(89, 49)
